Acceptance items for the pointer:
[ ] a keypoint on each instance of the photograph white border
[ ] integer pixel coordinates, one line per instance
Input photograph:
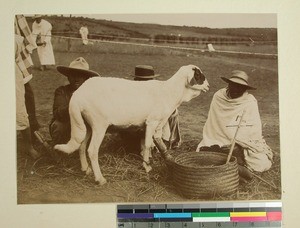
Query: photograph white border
(103, 215)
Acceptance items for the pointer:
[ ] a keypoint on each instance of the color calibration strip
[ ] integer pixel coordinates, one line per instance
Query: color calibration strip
(256, 214)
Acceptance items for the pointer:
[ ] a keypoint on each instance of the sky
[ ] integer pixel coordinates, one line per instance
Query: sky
(213, 20)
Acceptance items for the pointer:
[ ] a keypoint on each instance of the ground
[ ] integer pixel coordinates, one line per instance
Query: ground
(45, 181)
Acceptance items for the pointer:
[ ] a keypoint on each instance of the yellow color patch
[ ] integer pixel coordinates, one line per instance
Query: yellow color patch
(248, 214)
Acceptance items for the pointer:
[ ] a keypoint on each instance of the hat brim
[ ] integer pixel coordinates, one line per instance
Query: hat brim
(35, 17)
(69, 72)
(247, 86)
(149, 77)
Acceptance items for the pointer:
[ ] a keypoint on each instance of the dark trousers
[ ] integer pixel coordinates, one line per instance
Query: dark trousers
(60, 132)
(30, 106)
(237, 151)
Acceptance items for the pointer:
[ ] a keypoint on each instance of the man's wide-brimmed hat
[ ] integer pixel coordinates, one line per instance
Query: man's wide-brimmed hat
(239, 77)
(144, 71)
(37, 16)
(77, 67)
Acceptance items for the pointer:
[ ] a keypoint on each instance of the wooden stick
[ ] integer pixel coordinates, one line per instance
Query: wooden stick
(233, 140)
(42, 140)
(263, 180)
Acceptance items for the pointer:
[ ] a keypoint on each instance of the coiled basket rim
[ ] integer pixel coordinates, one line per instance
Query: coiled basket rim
(178, 160)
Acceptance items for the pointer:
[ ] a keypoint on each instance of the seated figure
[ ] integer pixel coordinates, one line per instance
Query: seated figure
(227, 107)
(170, 133)
(77, 73)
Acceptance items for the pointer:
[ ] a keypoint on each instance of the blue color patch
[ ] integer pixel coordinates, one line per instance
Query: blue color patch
(172, 215)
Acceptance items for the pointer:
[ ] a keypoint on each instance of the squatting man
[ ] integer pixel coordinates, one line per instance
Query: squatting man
(227, 107)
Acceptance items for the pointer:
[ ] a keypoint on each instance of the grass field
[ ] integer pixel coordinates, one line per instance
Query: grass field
(44, 181)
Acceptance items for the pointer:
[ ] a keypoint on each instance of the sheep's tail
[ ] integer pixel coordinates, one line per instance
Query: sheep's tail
(78, 130)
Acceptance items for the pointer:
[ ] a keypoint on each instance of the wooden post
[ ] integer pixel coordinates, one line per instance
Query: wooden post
(69, 39)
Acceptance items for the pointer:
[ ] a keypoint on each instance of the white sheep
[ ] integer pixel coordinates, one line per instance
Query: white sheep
(102, 102)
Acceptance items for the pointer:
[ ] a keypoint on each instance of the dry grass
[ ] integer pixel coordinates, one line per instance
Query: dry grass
(45, 181)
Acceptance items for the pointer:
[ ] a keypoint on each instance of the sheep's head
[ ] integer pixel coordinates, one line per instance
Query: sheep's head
(196, 80)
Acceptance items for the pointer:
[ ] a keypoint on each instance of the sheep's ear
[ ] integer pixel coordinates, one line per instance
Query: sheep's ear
(198, 76)
(193, 81)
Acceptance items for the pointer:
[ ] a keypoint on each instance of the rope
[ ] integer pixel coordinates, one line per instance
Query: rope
(176, 40)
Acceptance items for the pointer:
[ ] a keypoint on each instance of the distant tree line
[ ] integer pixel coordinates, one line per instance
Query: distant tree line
(170, 39)
(207, 40)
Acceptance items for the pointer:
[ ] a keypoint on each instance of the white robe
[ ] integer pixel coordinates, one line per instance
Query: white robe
(45, 53)
(221, 125)
(84, 34)
(22, 121)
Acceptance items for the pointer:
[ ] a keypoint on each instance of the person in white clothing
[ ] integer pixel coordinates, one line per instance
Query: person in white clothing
(41, 30)
(230, 107)
(22, 122)
(84, 34)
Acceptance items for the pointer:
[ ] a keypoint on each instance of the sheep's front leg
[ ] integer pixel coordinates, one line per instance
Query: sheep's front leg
(143, 148)
(82, 153)
(157, 139)
(150, 128)
(96, 140)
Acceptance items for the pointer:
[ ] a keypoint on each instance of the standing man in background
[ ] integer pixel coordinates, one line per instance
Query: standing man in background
(84, 34)
(23, 48)
(41, 30)
(25, 64)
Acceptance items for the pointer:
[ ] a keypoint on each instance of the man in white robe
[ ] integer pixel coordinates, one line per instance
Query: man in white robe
(41, 30)
(84, 34)
(227, 107)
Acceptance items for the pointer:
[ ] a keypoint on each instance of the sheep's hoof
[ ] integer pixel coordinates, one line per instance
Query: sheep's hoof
(168, 157)
(88, 171)
(63, 148)
(142, 154)
(58, 147)
(147, 167)
(101, 182)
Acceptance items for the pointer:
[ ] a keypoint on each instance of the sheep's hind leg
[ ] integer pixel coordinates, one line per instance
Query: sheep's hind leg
(82, 153)
(96, 140)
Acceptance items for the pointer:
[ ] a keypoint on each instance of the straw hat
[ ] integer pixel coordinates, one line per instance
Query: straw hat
(77, 67)
(37, 16)
(144, 72)
(239, 77)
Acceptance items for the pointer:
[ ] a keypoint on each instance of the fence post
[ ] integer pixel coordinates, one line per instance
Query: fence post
(69, 39)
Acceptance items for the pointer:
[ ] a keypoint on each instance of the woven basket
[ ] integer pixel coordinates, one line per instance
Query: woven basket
(204, 174)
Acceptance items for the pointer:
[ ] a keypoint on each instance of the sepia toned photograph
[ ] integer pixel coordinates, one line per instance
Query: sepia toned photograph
(118, 108)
